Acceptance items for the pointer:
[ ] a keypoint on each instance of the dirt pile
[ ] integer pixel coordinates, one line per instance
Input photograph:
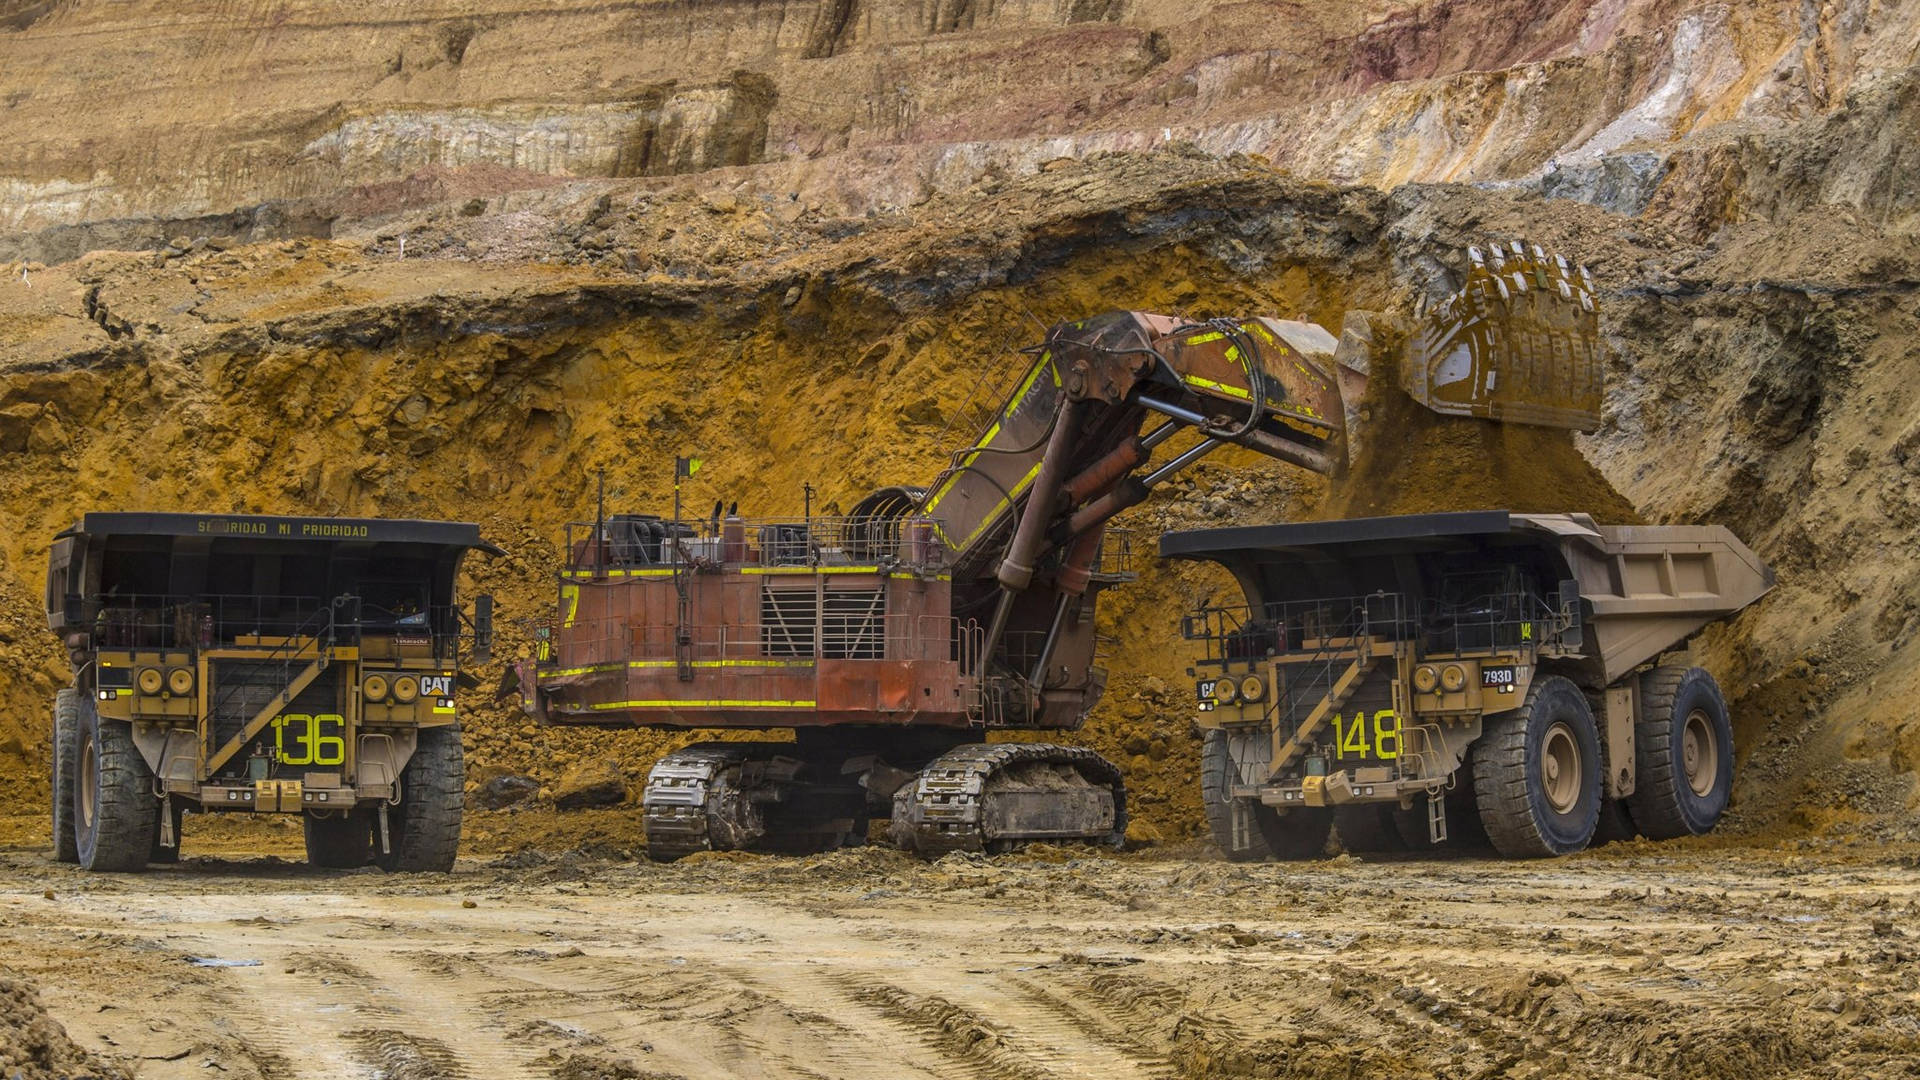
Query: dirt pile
(1412, 460)
(33, 1046)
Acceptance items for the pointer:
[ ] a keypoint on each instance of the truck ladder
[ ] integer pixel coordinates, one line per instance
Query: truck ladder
(1336, 696)
(265, 716)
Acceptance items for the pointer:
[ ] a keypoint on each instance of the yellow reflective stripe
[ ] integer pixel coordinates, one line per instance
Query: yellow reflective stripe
(585, 574)
(438, 711)
(1045, 363)
(994, 514)
(1230, 391)
(703, 705)
(720, 663)
(810, 570)
(919, 577)
(1310, 429)
(1203, 339)
(591, 668)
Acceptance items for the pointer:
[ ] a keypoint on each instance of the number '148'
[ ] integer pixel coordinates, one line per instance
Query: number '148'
(310, 742)
(1357, 737)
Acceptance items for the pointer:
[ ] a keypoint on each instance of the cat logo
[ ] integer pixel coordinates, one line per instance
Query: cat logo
(440, 686)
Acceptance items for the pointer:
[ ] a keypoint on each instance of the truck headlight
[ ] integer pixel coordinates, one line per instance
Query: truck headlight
(375, 687)
(1225, 691)
(180, 681)
(1453, 677)
(150, 680)
(1252, 689)
(1425, 678)
(405, 689)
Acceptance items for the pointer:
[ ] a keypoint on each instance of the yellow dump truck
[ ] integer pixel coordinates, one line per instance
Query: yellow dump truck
(250, 664)
(1406, 678)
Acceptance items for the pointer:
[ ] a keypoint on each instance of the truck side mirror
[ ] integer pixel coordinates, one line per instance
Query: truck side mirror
(482, 628)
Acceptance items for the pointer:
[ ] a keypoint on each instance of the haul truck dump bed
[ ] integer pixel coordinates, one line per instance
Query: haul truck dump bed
(1502, 666)
(265, 665)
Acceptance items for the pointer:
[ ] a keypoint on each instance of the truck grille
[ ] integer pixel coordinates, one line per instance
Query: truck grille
(241, 688)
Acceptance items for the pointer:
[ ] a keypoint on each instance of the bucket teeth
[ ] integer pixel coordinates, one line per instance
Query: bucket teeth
(1518, 342)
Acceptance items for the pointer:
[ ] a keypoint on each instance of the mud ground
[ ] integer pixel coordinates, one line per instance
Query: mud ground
(1702, 959)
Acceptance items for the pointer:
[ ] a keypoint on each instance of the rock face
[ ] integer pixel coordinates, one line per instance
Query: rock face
(192, 110)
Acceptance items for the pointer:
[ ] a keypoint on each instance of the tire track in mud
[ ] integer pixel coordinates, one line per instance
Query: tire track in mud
(848, 1046)
(704, 1019)
(436, 990)
(301, 1008)
(1097, 1026)
(372, 1015)
(1031, 1035)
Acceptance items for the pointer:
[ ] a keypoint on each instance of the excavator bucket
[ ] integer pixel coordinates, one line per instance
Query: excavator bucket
(1519, 342)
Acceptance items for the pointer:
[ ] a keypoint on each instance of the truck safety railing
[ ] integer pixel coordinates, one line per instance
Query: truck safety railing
(1491, 612)
(628, 542)
(319, 633)
(175, 623)
(1237, 632)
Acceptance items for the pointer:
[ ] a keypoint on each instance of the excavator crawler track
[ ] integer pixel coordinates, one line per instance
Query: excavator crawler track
(677, 795)
(742, 796)
(982, 797)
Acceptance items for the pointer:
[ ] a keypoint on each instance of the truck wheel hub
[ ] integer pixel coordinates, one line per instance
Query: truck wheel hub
(1699, 754)
(1560, 768)
(87, 784)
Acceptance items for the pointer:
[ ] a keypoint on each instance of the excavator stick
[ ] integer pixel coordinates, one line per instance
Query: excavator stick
(1519, 342)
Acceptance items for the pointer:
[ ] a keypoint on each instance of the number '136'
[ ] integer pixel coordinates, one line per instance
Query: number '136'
(312, 745)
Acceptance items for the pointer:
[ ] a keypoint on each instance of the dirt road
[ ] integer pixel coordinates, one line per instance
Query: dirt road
(1649, 961)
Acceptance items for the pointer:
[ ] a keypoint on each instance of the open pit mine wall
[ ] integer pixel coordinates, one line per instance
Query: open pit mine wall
(122, 125)
(1758, 383)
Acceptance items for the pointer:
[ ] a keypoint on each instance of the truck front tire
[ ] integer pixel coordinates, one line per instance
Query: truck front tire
(1298, 834)
(1536, 773)
(342, 842)
(1684, 750)
(115, 810)
(66, 738)
(424, 829)
(1367, 828)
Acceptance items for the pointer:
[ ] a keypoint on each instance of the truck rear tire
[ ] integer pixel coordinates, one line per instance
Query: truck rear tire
(1299, 834)
(66, 736)
(1684, 750)
(344, 842)
(425, 828)
(1367, 829)
(114, 807)
(1615, 826)
(1536, 773)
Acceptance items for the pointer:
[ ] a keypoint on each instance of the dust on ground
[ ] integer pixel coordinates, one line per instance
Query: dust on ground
(1698, 959)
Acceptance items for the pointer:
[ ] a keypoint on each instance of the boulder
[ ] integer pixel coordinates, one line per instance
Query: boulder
(593, 783)
(503, 791)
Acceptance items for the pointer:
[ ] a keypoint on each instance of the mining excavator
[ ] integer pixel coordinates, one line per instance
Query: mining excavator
(895, 638)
